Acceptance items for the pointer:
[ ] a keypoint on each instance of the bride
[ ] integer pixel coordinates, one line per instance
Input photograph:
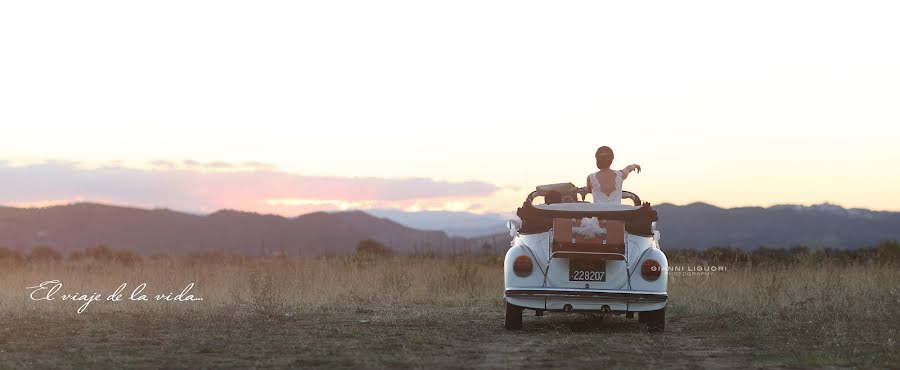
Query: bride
(605, 185)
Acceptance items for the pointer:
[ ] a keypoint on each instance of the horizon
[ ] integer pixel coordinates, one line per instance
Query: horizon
(377, 210)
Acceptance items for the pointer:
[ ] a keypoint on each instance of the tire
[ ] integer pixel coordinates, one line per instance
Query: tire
(513, 317)
(655, 320)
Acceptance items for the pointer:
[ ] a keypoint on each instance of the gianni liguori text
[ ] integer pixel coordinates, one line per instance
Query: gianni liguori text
(51, 290)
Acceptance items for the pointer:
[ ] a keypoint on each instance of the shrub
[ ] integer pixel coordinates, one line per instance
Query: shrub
(372, 248)
(7, 254)
(889, 251)
(106, 254)
(44, 253)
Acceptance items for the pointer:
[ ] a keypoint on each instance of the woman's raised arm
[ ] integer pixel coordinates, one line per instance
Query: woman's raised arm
(629, 168)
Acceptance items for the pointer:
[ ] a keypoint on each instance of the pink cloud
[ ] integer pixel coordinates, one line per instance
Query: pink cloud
(206, 187)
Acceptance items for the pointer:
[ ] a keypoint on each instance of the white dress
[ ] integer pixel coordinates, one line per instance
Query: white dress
(590, 227)
(615, 197)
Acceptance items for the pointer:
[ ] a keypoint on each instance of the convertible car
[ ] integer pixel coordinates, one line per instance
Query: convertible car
(569, 255)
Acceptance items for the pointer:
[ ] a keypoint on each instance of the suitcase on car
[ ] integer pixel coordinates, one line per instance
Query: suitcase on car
(608, 245)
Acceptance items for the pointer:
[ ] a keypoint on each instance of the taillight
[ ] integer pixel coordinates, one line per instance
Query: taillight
(522, 266)
(650, 270)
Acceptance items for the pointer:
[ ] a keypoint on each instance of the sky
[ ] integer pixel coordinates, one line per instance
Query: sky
(291, 107)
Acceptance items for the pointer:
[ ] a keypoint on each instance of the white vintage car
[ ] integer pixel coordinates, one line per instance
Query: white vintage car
(573, 256)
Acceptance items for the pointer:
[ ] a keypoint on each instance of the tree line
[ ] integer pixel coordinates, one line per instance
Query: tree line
(885, 252)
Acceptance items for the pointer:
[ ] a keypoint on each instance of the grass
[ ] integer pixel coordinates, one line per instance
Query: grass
(809, 313)
(434, 312)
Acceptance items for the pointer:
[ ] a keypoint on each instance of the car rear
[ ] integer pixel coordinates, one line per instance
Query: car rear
(616, 273)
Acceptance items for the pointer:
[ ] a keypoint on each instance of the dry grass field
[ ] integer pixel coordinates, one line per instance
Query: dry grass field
(425, 312)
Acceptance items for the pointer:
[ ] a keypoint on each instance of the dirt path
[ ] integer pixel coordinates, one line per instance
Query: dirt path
(505, 351)
(575, 341)
(440, 338)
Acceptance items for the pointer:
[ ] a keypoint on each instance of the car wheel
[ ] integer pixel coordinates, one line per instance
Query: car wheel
(513, 317)
(655, 320)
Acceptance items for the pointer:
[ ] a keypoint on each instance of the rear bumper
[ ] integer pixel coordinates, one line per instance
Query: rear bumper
(616, 295)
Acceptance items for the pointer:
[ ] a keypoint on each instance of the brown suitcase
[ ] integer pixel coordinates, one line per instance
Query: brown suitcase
(569, 244)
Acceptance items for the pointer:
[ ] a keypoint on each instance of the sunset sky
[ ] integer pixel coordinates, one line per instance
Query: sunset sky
(290, 107)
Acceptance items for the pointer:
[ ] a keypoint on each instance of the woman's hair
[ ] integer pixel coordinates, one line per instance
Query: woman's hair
(604, 157)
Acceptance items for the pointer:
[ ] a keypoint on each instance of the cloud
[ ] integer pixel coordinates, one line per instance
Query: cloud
(189, 164)
(204, 187)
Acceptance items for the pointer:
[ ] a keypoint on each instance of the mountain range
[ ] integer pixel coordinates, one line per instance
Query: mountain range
(700, 225)
(83, 225)
(152, 231)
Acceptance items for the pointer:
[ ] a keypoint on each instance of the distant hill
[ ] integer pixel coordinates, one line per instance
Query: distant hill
(701, 225)
(84, 225)
(463, 224)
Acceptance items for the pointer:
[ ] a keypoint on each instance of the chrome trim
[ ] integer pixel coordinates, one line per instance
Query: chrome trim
(591, 253)
(621, 295)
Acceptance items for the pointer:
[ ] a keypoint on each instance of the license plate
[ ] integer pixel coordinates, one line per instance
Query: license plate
(587, 270)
